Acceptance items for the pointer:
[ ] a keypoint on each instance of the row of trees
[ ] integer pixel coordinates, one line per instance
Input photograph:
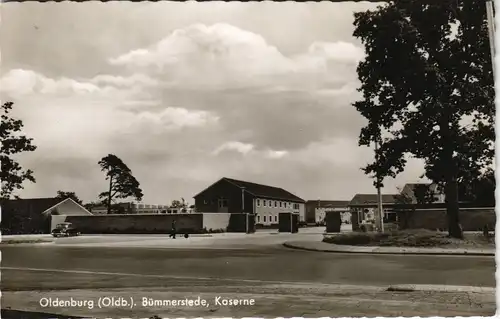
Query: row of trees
(427, 70)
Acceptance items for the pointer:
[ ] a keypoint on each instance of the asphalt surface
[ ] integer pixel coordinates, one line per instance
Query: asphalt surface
(33, 271)
(270, 263)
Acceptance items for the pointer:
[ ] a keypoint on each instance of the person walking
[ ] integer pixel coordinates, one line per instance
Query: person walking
(172, 234)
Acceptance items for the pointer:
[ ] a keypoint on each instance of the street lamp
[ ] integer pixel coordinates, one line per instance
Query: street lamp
(379, 217)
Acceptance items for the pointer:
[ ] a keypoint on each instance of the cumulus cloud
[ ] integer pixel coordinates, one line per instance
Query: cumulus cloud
(176, 118)
(276, 154)
(87, 117)
(121, 81)
(248, 150)
(20, 82)
(224, 56)
(239, 147)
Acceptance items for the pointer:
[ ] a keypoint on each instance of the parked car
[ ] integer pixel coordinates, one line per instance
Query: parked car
(65, 230)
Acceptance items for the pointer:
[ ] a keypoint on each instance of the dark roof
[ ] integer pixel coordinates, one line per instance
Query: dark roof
(371, 199)
(265, 191)
(409, 189)
(31, 205)
(328, 203)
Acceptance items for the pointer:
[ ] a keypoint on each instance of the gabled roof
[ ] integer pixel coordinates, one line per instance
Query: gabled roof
(260, 190)
(328, 203)
(371, 199)
(30, 205)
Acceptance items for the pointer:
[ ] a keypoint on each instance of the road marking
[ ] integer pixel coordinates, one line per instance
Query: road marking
(437, 288)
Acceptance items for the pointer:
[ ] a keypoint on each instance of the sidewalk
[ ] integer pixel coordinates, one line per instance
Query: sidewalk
(326, 247)
(269, 300)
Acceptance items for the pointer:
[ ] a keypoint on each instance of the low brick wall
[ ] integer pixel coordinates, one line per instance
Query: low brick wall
(471, 219)
(216, 221)
(154, 223)
(136, 223)
(229, 222)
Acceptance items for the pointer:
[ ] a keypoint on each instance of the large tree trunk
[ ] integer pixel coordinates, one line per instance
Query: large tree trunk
(450, 178)
(109, 194)
(452, 209)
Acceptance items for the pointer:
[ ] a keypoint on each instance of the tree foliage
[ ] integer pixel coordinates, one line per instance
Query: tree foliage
(423, 193)
(427, 71)
(179, 204)
(91, 205)
(72, 195)
(481, 191)
(13, 142)
(122, 184)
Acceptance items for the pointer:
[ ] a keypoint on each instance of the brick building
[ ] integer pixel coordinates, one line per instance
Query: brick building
(235, 196)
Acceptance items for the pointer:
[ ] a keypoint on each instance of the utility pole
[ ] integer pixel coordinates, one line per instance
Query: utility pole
(317, 210)
(379, 216)
(490, 15)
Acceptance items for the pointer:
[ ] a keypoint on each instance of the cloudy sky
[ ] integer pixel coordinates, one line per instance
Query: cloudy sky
(186, 93)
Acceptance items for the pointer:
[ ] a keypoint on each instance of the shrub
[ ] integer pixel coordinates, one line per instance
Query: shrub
(406, 238)
(354, 239)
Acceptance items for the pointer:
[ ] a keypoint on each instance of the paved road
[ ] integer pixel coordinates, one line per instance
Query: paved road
(260, 270)
(264, 263)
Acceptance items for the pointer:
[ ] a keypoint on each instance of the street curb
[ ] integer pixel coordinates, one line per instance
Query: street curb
(440, 288)
(338, 251)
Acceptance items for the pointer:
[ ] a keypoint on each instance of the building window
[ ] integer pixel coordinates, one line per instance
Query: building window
(258, 202)
(222, 203)
(275, 218)
(281, 203)
(258, 219)
(264, 218)
(205, 201)
(275, 204)
(264, 203)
